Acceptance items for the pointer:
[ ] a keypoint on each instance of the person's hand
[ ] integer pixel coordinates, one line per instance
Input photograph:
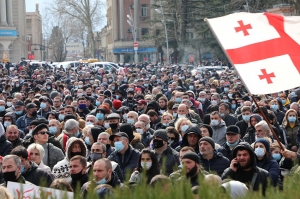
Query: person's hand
(233, 164)
(289, 154)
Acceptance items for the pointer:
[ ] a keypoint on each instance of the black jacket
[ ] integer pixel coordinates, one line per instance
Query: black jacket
(128, 161)
(217, 164)
(230, 120)
(196, 130)
(171, 160)
(37, 176)
(17, 142)
(260, 176)
(225, 150)
(81, 182)
(243, 127)
(205, 105)
(5, 146)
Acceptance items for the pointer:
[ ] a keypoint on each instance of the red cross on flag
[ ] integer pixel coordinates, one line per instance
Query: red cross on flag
(263, 47)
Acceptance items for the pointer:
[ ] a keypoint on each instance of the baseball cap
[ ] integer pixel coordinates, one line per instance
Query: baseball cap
(120, 134)
(142, 102)
(31, 105)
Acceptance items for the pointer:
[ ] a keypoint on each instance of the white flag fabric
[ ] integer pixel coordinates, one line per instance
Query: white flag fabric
(263, 47)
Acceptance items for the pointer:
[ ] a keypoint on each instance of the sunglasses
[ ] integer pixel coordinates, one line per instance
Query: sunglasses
(171, 138)
(43, 132)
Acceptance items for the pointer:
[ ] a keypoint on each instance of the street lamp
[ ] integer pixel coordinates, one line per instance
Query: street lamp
(160, 11)
(133, 28)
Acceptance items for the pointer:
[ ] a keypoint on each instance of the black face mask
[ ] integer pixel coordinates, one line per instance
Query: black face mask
(77, 176)
(113, 126)
(34, 113)
(96, 156)
(10, 176)
(129, 98)
(157, 143)
(75, 153)
(192, 172)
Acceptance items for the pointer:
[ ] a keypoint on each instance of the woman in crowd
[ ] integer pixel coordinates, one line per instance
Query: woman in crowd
(166, 119)
(173, 136)
(265, 159)
(207, 131)
(182, 125)
(36, 153)
(275, 107)
(147, 163)
(290, 127)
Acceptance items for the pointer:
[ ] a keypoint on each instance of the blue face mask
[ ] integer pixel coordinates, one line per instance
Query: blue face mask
(19, 112)
(233, 106)
(61, 117)
(226, 90)
(6, 124)
(276, 156)
(43, 105)
(174, 115)
(52, 130)
(178, 99)
(283, 101)
(184, 128)
(103, 181)
(180, 165)
(260, 152)
(22, 169)
(292, 119)
(230, 95)
(87, 141)
(98, 103)
(146, 85)
(82, 106)
(100, 116)
(222, 114)
(119, 146)
(246, 118)
(130, 120)
(165, 124)
(275, 107)
(77, 134)
(214, 122)
(191, 87)
(232, 144)
(225, 100)
(2, 108)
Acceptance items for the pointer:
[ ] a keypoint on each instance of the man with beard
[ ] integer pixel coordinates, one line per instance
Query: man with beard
(243, 168)
(31, 114)
(78, 167)
(191, 162)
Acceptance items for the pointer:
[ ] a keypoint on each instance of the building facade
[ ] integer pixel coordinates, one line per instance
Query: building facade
(117, 36)
(36, 46)
(13, 38)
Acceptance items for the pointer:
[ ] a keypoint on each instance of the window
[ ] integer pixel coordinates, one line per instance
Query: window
(144, 10)
(190, 35)
(144, 31)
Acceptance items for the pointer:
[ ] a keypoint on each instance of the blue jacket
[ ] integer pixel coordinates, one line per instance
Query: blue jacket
(24, 121)
(272, 166)
(218, 164)
(127, 162)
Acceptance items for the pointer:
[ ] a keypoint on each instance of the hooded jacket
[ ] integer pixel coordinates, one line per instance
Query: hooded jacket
(196, 130)
(61, 169)
(250, 132)
(219, 133)
(36, 175)
(272, 166)
(260, 176)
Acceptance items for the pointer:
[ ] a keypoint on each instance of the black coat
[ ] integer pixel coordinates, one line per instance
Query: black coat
(37, 176)
(243, 127)
(217, 164)
(196, 130)
(230, 120)
(5, 146)
(128, 161)
(225, 150)
(81, 182)
(171, 160)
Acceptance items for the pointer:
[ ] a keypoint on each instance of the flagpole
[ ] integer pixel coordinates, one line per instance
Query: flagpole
(269, 125)
(253, 98)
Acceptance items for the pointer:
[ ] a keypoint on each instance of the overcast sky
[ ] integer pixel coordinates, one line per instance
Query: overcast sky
(30, 5)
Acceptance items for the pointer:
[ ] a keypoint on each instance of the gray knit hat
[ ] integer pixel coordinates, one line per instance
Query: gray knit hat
(161, 133)
(209, 140)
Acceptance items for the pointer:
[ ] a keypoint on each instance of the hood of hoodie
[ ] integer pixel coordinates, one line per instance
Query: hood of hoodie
(257, 117)
(69, 144)
(9, 114)
(192, 128)
(245, 146)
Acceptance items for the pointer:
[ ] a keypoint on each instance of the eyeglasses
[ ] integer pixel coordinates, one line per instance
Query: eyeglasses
(43, 132)
(171, 138)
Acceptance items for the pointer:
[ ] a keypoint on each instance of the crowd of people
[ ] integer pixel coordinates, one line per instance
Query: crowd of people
(69, 129)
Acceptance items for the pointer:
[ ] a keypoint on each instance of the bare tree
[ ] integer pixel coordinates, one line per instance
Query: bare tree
(87, 12)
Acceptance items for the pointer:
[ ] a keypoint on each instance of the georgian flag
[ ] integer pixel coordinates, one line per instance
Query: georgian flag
(263, 47)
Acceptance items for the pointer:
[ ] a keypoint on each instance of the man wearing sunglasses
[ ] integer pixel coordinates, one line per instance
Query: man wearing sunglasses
(41, 134)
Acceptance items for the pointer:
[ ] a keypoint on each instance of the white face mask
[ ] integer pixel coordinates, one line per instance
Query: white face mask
(146, 165)
(181, 116)
(106, 125)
